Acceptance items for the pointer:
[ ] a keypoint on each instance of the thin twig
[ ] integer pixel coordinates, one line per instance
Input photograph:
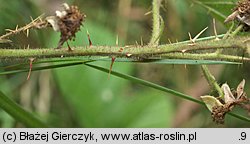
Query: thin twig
(36, 23)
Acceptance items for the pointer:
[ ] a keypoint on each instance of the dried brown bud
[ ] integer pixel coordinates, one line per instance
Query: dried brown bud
(68, 22)
(241, 13)
(243, 7)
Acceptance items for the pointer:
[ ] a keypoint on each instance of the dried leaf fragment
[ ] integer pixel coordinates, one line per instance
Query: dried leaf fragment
(240, 89)
(228, 96)
(211, 102)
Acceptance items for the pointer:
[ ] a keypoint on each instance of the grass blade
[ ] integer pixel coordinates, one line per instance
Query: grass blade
(219, 9)
(174, 61)
(161, 88)
(37, 68)
(146, 83)
(24, 67)
(17, 112)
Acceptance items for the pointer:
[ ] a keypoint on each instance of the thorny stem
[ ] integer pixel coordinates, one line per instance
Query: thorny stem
(234, 33)
(211, 80)
(207, 56)
(139, 52)
(156, 22)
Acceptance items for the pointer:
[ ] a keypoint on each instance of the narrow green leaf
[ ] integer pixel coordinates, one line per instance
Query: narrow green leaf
(175, 61)
(20, 114)
(239, 117)
(147, 83)
(158, 87)
(220, 3)
(155, 61)
(220, 9)
(37, 68)
(38, 65)
(18, 64)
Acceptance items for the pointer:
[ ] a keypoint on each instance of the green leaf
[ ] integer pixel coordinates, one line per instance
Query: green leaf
(146, 83)
(37, 68)
(21, 115)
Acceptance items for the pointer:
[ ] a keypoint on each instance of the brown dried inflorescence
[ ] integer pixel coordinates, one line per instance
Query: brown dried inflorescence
(219, 112)
(241, 13)
(220, 107)
(243, 7)
(68, 22)
(231, 99)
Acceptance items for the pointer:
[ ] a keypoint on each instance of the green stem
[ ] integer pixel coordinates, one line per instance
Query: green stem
(156, 22)
(211, 80)
(234, 33)
(134, 51)
(19, 113)
(237, 30)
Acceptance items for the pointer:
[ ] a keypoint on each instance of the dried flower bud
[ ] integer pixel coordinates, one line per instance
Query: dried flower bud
(68, 22)
(241, 13)
(243, 7)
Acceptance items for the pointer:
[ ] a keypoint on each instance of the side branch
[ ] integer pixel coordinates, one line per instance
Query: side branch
(156, 22)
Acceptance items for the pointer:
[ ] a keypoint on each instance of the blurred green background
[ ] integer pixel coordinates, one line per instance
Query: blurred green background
(79, 96)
